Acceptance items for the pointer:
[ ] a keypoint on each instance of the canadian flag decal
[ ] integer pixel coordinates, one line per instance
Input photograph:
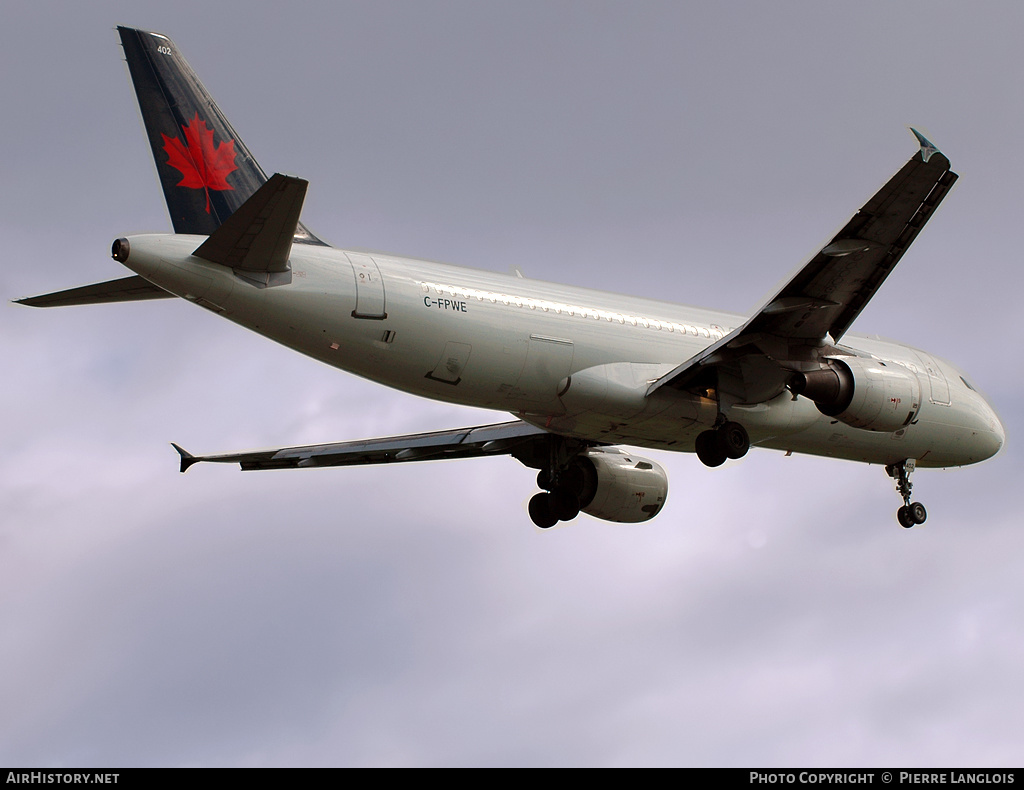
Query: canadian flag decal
(202, 165)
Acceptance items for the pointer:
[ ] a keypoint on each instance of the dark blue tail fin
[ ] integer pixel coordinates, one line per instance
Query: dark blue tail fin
(205, 169)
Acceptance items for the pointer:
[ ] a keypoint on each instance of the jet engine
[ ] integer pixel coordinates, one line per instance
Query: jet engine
(863, 393)
(621, 487)
(604, 482)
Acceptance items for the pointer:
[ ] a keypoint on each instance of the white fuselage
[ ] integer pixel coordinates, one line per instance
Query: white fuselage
(507, 343)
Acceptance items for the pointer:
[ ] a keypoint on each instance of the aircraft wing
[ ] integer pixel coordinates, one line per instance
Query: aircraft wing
(127, 289)
(819, 304)
(517, 438)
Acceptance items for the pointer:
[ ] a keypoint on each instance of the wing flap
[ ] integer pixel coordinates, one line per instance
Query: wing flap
(127, 289)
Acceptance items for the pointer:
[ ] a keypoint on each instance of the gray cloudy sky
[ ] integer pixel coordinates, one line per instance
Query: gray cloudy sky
(773, 614)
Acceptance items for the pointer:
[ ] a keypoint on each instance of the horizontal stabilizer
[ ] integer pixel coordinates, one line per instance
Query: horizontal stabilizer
(127, 289)
(258, 236)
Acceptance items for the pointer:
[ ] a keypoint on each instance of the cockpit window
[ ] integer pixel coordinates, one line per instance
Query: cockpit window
(969, 385)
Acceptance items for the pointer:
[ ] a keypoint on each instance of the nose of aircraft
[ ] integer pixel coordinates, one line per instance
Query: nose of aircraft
(989, 436)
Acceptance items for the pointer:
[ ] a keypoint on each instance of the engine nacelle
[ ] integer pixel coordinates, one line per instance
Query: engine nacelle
(617, 486)
(863, 393)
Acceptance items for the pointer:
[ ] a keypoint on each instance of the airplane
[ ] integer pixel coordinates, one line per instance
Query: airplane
(582, 371)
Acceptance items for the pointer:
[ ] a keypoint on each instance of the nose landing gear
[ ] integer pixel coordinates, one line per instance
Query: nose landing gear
(911, 513)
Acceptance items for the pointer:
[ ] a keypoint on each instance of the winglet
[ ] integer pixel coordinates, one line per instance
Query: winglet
(187, 459)
(927, 146)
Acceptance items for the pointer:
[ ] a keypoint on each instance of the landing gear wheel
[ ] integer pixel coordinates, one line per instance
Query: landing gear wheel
(564, 504)
(903, 516)
(709, 449)
(541, 511)
(912, 513)
(734, 440)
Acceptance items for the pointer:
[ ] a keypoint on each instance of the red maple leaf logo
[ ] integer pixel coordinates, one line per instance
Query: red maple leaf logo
(202, 166)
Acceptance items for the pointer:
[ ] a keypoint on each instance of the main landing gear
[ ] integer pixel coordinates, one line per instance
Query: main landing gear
(567, 483)
(911, 513)
(560, 501)
(726, 440)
